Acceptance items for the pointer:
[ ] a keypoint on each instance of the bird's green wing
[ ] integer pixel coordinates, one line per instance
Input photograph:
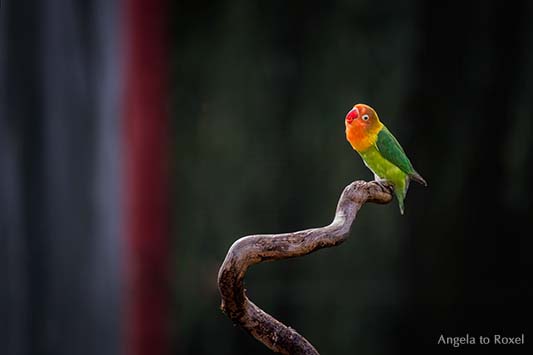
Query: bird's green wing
(391, 150)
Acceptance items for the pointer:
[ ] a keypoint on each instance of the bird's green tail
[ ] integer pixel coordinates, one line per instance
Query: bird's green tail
(400, 190)
(400, 195)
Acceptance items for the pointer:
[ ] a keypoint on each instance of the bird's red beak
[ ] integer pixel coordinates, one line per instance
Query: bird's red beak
(352, 115)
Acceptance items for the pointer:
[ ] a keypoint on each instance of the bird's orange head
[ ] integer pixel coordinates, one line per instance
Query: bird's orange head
(362, 126)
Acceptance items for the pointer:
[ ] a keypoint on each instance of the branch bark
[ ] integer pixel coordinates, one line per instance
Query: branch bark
(255, 249)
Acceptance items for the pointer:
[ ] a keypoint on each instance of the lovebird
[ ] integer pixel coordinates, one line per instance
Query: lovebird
(380, 151)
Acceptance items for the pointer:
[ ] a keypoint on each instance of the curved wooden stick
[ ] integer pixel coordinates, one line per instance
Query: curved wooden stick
(255, 249)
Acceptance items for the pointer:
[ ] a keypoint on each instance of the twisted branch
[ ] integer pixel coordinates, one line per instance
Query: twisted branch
(254, 249)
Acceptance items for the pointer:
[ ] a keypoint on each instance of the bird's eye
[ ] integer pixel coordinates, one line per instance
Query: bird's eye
(365, 117)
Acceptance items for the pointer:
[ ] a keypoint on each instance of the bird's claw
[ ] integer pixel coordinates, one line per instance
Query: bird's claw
(385, 184)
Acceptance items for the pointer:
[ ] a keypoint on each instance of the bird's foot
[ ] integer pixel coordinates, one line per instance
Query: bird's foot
(387, 185)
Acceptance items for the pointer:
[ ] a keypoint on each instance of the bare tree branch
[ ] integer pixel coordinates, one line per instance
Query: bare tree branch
(254, 249)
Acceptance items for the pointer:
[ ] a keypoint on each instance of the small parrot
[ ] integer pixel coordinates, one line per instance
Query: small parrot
(380, 151)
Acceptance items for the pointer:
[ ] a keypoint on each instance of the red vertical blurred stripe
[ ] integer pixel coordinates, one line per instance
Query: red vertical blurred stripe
(146, 157)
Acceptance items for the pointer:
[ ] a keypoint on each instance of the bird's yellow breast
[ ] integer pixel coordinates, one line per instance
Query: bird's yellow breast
(361, 139)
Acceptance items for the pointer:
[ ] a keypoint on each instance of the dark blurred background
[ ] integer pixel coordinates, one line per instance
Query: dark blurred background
(141, 167)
